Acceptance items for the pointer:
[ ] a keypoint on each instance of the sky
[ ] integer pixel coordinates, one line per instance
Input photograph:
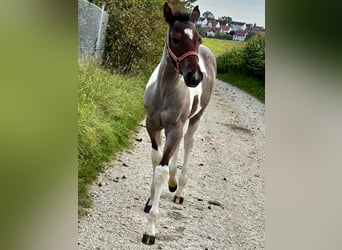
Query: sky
(248, 11)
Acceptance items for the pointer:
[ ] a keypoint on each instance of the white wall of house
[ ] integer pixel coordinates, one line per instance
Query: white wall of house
(239, 38)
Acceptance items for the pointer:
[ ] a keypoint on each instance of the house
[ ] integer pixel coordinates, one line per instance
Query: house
(257, 29)
(213, 23)
(240, 35)
(223, 22)
(202, 21)
(238, 26)
(211, 31)
(239, 30)
(225, 29)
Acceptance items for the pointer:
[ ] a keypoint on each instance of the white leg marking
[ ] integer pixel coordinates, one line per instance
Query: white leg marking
(189, 32)
(156, 157)
(160, 177)
(188, 144)
(173, 169)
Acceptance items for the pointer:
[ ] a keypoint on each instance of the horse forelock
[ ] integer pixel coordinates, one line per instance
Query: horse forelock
(181, 17)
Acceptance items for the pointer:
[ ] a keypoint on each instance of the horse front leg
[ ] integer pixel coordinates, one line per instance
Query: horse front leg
(156, 156)
(161, 174)
(173, 171)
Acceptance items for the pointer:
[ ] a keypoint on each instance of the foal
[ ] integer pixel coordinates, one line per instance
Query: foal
(177, 92)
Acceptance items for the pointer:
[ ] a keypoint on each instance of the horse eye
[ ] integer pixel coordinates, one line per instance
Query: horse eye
(174, 40)
(200, 39)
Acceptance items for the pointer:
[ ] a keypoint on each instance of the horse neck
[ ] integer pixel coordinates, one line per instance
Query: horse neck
(168, 77)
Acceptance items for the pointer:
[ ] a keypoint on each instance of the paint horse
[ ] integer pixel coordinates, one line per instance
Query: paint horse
(176, 94)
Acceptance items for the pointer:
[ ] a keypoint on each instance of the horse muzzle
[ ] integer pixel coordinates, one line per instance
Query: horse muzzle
(192, 79)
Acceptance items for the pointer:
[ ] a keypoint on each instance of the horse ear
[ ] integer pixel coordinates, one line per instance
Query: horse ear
(195, 15)
(168, 15)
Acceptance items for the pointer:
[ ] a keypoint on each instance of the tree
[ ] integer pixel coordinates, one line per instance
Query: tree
(201, 30)
(228, 19)
(208, 14)
(250, 35)
(135, 35)
(182, 5)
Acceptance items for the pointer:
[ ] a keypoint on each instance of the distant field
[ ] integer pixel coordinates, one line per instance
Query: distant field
(218, 47)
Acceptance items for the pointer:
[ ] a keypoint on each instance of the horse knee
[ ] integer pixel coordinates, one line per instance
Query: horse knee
(161, 174)
(155, 156)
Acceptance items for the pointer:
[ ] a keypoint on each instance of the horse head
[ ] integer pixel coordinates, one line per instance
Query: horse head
(183, 43)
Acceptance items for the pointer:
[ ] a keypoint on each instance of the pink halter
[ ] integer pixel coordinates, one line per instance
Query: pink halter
(182, 57)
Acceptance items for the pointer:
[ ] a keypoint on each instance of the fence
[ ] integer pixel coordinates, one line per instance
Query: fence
(92, 23)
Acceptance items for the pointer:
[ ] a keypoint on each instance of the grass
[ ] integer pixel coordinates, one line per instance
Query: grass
(249, 84)
(218, 47)
(110, 107)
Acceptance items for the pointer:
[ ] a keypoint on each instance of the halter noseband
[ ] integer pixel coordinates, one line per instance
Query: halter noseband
(182, 57)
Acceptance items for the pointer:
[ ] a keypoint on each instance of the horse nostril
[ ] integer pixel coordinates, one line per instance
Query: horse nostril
(200, 76)
(192, 79)
(197, 76)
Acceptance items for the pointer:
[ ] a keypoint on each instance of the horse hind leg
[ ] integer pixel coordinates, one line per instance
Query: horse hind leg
(188, 145)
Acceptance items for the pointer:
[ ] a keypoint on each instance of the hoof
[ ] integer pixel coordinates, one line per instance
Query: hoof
(178, 200)
(148, 239)
(172, 189)
(147, 207)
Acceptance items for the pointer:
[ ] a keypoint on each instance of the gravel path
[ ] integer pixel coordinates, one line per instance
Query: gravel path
(224, 203)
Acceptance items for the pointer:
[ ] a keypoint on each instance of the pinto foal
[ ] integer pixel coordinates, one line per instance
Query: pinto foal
(177, 92)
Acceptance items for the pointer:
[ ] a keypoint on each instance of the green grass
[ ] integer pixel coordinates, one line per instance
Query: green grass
(110, 107)
(249, 84)
(218, 47)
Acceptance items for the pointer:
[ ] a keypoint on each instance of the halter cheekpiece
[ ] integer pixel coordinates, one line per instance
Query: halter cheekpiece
(182, 57)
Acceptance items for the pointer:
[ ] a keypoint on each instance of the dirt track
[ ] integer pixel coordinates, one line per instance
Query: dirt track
(224, 203)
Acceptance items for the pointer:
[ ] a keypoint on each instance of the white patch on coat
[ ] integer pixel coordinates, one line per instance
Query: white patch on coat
(189, 32)
(201, 64)
(153, 77)
(197, 91)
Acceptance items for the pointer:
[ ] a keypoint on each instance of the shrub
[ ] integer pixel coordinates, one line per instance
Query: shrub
(254, 57)
(135, 34)
(230, 61)
(249, 60)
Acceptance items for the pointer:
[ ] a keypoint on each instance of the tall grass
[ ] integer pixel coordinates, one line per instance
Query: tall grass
(110, 107)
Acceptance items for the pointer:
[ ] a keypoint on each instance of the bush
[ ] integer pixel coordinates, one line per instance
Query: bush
(249, 60)
(135, 35)
(223, 36)
(231, 61)
(254, 57)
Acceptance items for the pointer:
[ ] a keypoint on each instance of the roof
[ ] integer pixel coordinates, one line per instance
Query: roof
(240, 32)
(212, 21)
(237, 23)
(225, 27)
